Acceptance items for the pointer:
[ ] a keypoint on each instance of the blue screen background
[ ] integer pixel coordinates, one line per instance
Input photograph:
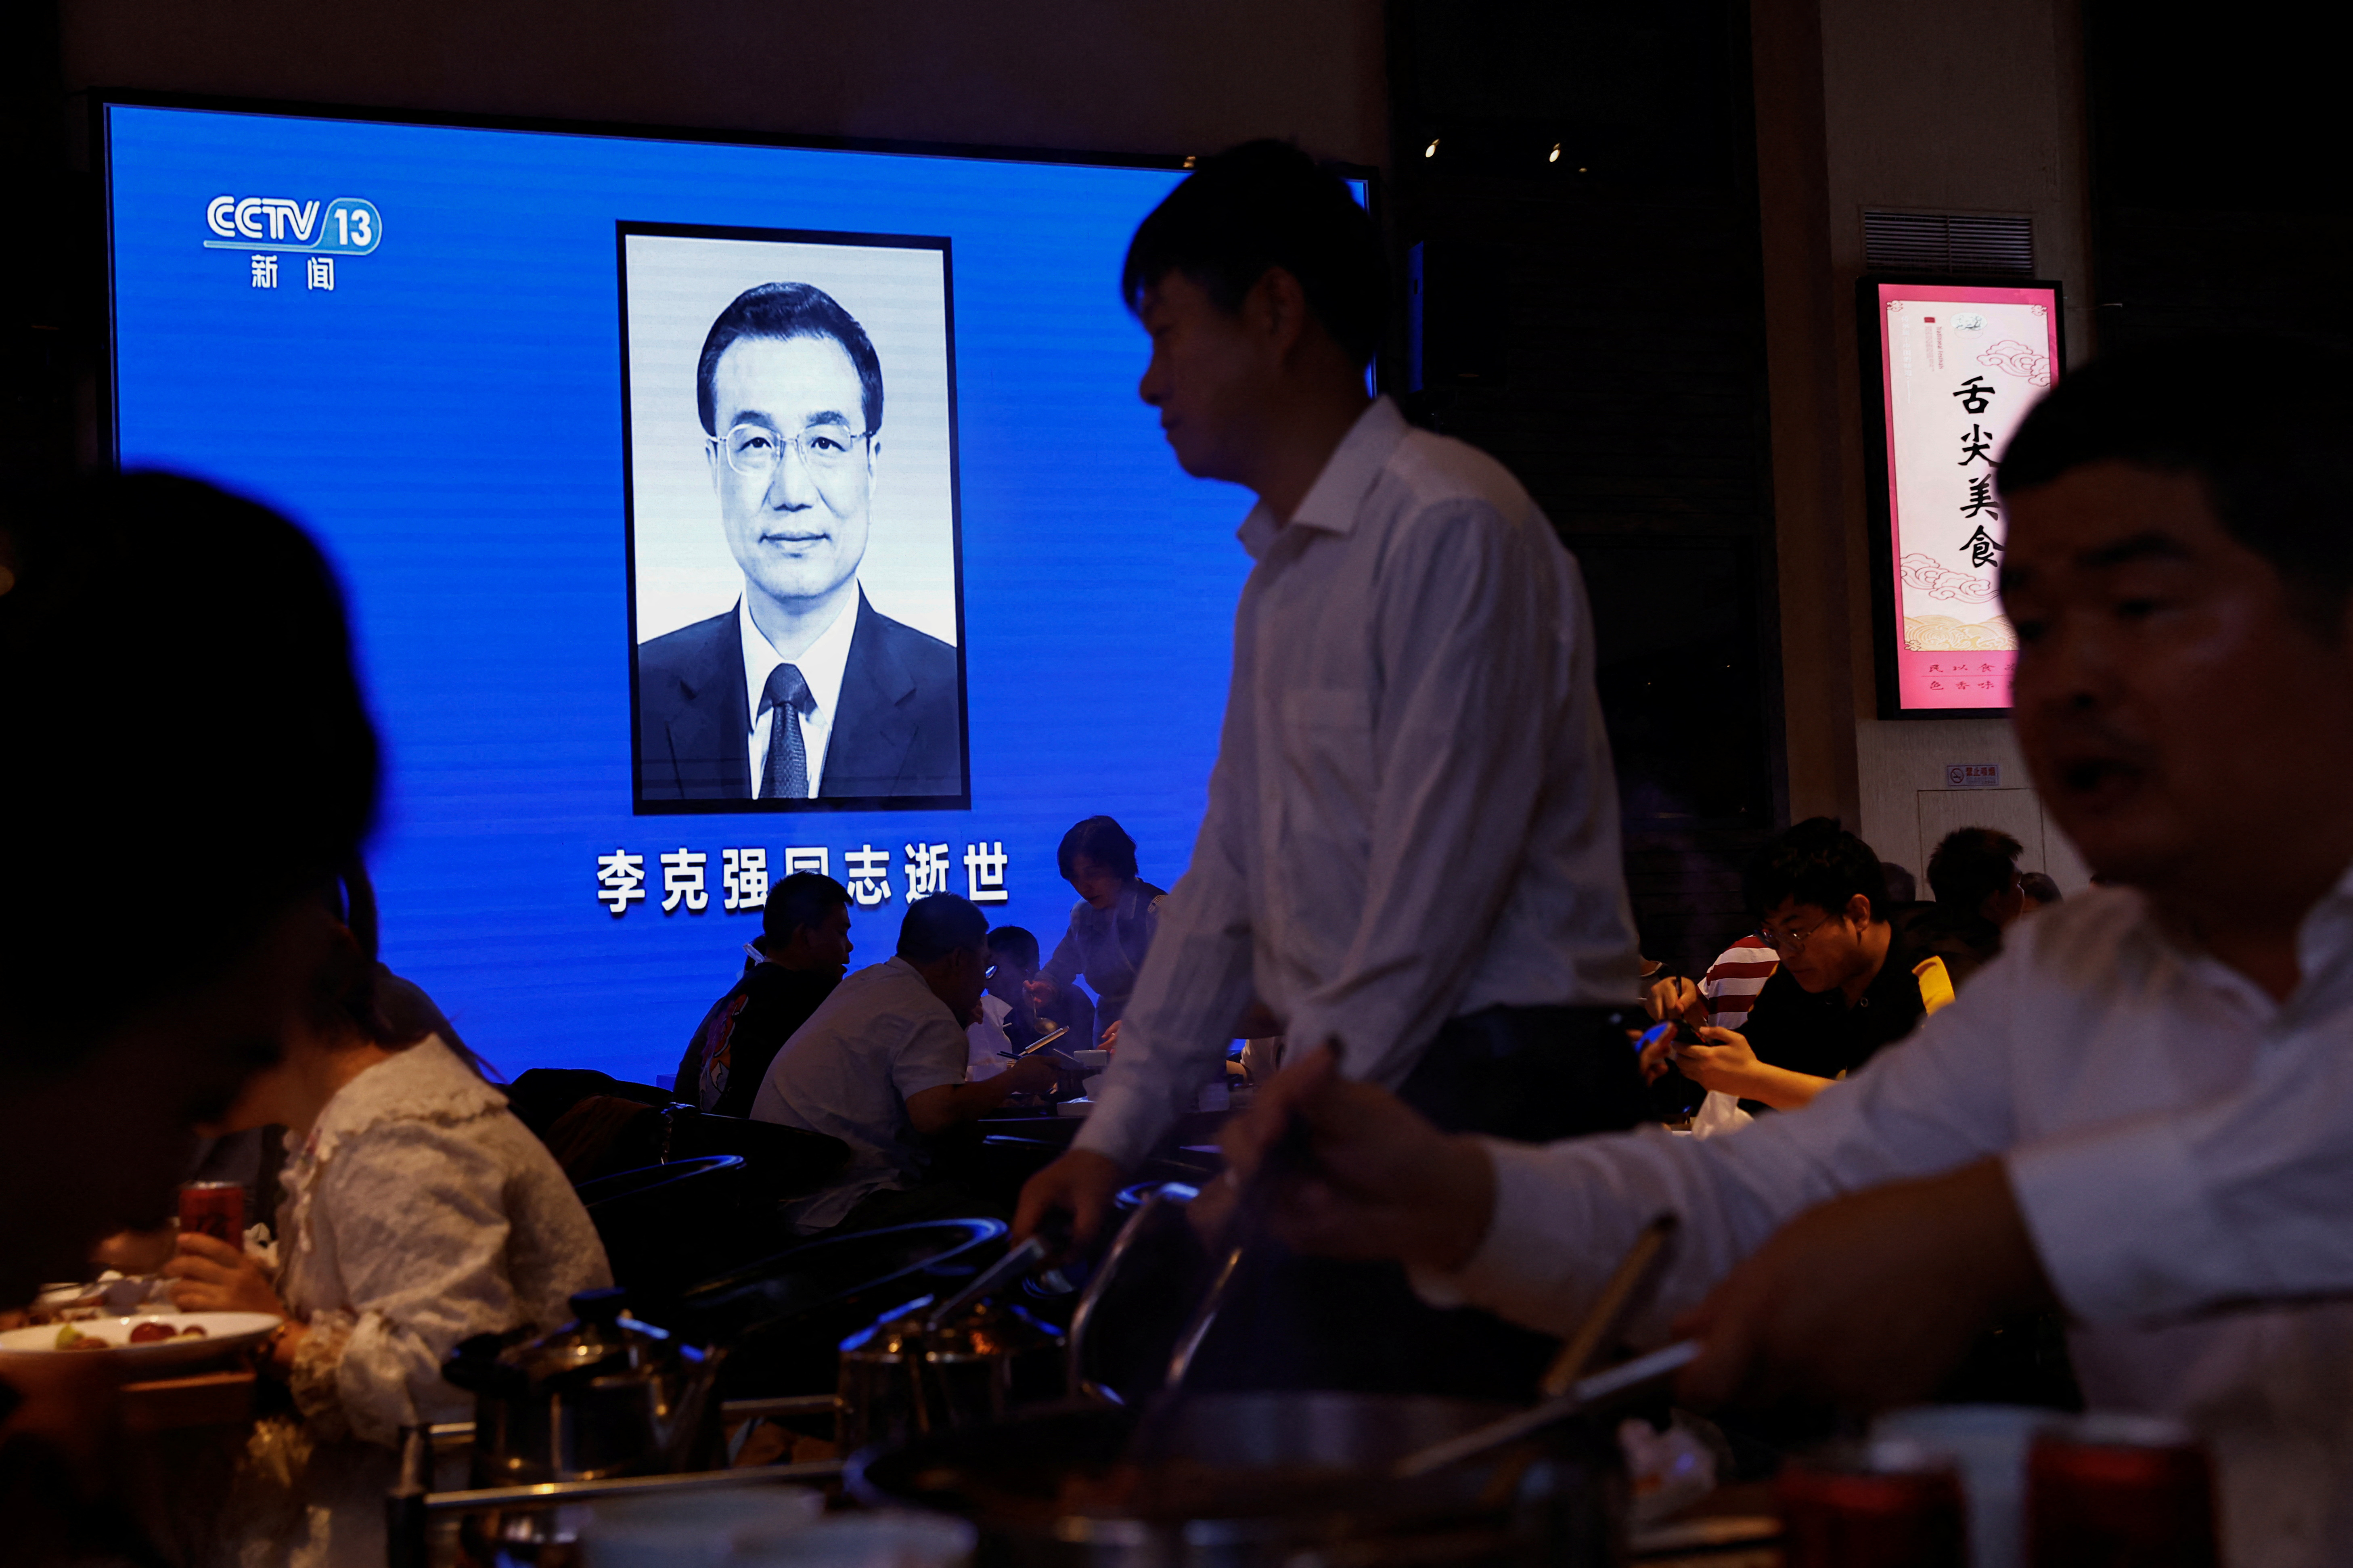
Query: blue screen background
(447, 422)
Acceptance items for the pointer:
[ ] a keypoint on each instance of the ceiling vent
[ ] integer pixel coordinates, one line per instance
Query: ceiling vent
(1948, 242)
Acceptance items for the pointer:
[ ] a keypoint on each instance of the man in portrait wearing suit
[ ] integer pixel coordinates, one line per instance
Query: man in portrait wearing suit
(801, 692)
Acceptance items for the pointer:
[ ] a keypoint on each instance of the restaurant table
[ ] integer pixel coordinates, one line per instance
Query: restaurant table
(182, 1436)
(177, 1403)
(1726, 1529)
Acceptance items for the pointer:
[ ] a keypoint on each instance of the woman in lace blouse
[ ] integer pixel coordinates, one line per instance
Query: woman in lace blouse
(418, 1211)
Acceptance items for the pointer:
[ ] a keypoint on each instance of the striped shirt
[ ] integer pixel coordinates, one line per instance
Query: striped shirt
(1733, 981)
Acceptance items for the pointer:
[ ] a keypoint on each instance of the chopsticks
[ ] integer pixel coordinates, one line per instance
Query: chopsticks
(1624, 1378)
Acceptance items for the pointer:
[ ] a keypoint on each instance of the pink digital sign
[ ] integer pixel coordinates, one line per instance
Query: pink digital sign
(1959, 364)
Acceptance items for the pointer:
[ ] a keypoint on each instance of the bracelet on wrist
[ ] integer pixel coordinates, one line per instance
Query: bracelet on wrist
(267, 1351)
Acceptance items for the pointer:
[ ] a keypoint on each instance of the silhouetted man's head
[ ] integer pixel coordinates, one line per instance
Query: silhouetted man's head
(1974, 871)
(1013, 962)
(806, 923)
(1259, 273)
(177, 688)
(946, 938)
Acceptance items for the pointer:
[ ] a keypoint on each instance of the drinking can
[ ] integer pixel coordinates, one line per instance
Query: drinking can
(2120, 1492)
(215, 1209)
(1872, 1510)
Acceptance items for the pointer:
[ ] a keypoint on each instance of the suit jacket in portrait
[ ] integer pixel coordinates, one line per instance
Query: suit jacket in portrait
(899, 730)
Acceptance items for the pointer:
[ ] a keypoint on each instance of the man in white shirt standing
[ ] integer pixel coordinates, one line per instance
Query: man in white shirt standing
(2142, 1112)
(1411, 840)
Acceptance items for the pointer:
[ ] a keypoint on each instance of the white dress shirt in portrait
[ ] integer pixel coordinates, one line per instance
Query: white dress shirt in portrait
(1413, 816)
(821, 665)
(2180, 1146)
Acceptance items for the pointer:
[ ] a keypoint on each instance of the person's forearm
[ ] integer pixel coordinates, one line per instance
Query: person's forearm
(1195, 983)
(1557, 1218)
(1777, 1087)
(969, 1101)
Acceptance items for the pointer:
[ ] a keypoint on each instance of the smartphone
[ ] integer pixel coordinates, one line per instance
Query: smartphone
(1040, 1044)
(1685, 1034)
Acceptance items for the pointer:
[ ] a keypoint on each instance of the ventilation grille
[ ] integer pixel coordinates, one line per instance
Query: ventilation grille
(1948, 242)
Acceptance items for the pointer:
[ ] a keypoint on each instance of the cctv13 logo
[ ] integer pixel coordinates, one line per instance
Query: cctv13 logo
(348, 226)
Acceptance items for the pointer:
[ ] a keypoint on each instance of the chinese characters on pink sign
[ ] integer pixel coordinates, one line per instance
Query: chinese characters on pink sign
(1961, 365)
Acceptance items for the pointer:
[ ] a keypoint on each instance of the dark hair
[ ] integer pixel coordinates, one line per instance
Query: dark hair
(2262, 422)
(2038, 886)
(1817, 862)
(1972, 865)
(1101, 840)
(253, 763)
(1015, 940)
(939, 925)
(1260, 206)
(351, 898)
(1902, 887)
(396, 1017)
(784, 311)
(803, 898)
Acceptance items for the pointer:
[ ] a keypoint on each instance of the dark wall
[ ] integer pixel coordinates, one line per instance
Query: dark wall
(1113, 77)
(1596, 322)
(2220, 197)
(48, 255)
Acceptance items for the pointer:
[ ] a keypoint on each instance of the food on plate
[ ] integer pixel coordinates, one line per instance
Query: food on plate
(150, 1333)
(54, 1307)
(154, 1331)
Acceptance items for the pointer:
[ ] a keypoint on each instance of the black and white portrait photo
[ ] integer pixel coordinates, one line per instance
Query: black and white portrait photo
(795, 600)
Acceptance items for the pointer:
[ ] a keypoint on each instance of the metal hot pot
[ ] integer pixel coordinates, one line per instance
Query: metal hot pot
(604, 1396)
(1261, 1481)
(911, 1374)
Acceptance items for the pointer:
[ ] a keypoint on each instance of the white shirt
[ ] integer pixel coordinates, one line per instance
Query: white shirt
(417, 1213)
(986, 1041)
(1412, 814)
(882, 1038)
(821, 665)
(2176, 1141)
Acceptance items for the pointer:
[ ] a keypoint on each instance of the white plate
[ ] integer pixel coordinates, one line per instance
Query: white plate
(113, 1294)
(223, 1332)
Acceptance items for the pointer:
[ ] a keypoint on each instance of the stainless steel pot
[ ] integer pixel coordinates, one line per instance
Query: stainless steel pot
(907, 1375)
(1262, 1481)
(604, 1396)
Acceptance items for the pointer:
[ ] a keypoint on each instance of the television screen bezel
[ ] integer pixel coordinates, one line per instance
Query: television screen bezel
(102, 99)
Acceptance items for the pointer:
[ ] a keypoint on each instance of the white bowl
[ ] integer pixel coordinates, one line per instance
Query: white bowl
(223, 1332)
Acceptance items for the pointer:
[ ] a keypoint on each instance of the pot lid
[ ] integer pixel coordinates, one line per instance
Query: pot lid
(604, 1341)
(989, 1329)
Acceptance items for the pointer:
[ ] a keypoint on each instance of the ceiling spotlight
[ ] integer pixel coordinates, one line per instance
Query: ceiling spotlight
(1580, 168)
(1188, 160)
(1430, 151)
(1553, 156)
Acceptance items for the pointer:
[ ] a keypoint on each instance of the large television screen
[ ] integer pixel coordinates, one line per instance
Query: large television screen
(1950, 368)
(632, 451)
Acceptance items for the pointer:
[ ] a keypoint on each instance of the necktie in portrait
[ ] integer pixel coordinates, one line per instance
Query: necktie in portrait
(788, 697)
